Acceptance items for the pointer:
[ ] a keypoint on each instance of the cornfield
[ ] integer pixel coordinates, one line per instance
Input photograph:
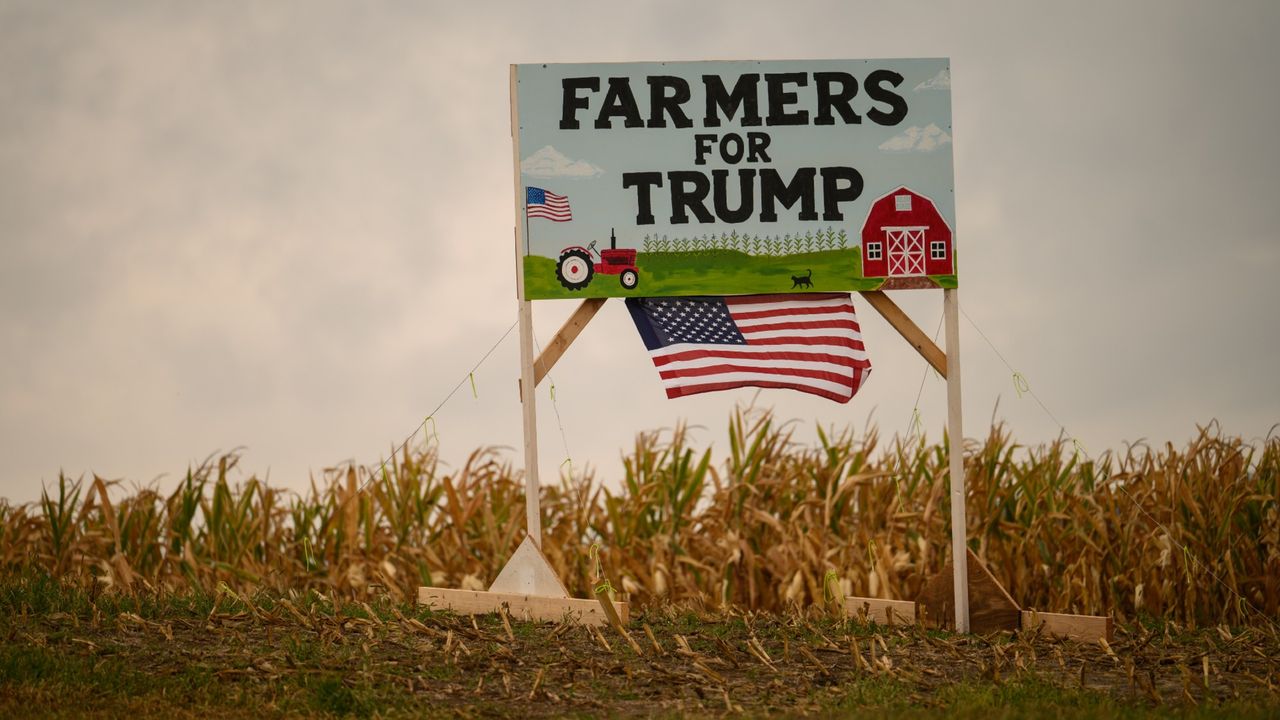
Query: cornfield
(758, 245)
(1187, 534)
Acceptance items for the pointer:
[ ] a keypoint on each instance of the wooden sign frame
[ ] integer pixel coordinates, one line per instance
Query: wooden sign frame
(550, 598)
(735, 177)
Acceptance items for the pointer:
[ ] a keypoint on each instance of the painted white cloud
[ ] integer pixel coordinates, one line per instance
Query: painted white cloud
(941, 81)
(917, 139)
(550, 162)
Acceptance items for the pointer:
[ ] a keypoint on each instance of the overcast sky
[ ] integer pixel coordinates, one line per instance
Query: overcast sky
(288, 227)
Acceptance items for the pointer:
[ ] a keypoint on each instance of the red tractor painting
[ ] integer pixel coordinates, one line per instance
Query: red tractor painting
(575, 268)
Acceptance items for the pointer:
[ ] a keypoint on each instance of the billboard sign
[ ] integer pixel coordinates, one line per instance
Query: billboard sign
(732, 178)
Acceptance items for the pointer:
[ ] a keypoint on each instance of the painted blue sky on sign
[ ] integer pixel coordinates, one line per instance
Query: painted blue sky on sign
(587, 164)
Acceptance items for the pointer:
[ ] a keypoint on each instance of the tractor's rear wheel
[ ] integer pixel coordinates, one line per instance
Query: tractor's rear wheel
(574, 269)
(629, 279)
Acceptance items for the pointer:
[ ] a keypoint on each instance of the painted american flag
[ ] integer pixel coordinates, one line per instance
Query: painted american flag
(539, 203)
(809, 342)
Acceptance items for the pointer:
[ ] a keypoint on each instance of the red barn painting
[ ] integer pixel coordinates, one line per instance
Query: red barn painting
(904, 236)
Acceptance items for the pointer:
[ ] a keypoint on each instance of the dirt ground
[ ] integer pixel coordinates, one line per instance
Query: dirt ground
(291, 658)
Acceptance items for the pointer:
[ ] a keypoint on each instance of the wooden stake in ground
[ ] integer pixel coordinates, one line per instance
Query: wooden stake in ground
(533, 519)
(955, 429)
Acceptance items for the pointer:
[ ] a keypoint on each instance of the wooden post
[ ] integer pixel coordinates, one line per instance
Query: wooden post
(527, 392)
(533, 519)
(955, 429)
(519, 195)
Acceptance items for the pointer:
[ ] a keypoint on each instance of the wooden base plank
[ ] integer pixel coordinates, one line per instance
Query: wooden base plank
(885, 612)
(521, 607)
(1086, 628)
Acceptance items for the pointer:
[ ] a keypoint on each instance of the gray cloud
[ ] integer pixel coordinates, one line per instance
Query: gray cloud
(289, 227)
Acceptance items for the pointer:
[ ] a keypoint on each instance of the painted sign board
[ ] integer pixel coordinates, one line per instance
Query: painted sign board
(731, 178)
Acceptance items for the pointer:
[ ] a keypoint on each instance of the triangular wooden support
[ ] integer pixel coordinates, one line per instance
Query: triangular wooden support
(990, 606)
(529, 573)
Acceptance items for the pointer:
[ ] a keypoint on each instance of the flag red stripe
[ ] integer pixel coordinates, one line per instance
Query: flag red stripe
(837, 341)
(801, 325)
(559, 217)
(762, 355)
(838, 378)
(740, 315)
(685, 390)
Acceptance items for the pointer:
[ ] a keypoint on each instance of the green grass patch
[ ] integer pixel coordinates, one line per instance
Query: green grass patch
(715, 272)
(110, 676)
(1032, 697)
(332, 696)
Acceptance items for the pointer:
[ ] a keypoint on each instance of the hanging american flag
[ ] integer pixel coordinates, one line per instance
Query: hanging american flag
(808, 342)
(539, 203)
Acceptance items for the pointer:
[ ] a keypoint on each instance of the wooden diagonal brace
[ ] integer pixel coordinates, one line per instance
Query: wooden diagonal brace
(564, 337)
(908, 329)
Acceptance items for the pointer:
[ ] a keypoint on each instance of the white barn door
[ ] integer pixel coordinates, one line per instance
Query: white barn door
(906, 250)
